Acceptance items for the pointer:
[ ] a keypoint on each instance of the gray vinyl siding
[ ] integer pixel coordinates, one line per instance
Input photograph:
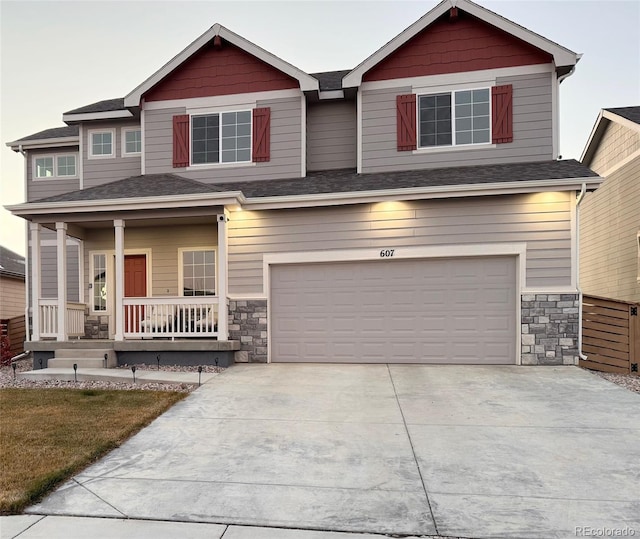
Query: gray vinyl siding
(49, 269)
(100, 171)
(331, 135)
(618, 142)
(286, 146)
(609, 224)
(163, 242)
(532, 130)
(48, 187)
(542, 221)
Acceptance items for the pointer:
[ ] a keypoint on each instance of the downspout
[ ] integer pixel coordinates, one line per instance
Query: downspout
(583, 191)
(27, 327)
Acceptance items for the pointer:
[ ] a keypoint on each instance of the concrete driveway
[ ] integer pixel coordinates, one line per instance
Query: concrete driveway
(399, 449)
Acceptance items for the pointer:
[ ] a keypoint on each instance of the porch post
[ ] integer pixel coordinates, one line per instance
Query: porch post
(36, 285)
(61, 250)
(223, 310)
(118, 225)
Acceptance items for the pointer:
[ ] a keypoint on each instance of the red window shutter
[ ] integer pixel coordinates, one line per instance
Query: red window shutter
(261, 135)
(502, 106)
(181, 141)
(406, 122)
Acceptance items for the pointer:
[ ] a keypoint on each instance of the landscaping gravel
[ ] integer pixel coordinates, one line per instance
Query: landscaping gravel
(7, 379)
(628, 381)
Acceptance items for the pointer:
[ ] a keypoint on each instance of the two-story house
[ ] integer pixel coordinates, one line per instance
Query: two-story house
(412, 209)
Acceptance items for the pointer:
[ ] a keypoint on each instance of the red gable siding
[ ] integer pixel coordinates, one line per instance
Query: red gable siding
(220, 71)
(464, 44)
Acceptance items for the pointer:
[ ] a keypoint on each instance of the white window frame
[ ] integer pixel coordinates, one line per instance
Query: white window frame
(108, 271)
(123, 139)
(181, 250)
(90, 134)
(56, 175)
(454, 144)
(220, 112)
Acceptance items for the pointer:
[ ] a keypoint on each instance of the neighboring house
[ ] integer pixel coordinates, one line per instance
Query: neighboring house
(412, 209)
(12, 276)
(610, 222)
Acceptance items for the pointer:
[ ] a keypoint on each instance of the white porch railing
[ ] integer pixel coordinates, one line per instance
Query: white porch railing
(48, 311)
(171, 317)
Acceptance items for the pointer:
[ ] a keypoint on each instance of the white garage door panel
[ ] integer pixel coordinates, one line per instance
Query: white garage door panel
(400, 311)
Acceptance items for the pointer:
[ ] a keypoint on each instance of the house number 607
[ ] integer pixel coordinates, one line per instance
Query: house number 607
(387, 253)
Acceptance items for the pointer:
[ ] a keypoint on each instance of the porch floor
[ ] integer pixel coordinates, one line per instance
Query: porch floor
(118, 375)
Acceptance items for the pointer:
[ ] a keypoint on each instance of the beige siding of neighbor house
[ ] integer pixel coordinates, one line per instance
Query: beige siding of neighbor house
(331, 135)
(163, 242)
(38, 188)
(532, 130)
(618, 142)
(286, 146)
(97, 171)
(12, 297)
(542, 221)
(609, 227)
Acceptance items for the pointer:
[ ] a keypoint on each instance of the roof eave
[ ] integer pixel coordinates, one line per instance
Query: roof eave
(563, 58)
(70, 118)
(43, 143)
(604, 117)
(307, 82)
(31, 209)
(414, 193)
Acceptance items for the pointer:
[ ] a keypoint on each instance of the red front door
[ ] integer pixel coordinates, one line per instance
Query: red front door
(135, 286)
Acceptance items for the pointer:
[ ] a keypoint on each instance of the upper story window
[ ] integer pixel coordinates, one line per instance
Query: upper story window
(221, 138)
(54, 166)
(102, 144)
(455, 118)
(131, 141)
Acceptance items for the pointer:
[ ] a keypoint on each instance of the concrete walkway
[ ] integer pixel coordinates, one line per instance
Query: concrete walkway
(117, 375)
(479, 452)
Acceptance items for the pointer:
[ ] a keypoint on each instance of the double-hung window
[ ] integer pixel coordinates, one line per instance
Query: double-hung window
(455, 118)
(221, 138)
(54, 166)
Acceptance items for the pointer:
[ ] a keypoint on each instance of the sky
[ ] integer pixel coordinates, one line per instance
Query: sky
(57, 56)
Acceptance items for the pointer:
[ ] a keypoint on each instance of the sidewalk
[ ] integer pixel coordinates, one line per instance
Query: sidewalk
(49, 527)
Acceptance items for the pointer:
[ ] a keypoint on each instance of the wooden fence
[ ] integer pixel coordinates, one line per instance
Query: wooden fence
(610, 335)
(15, 329)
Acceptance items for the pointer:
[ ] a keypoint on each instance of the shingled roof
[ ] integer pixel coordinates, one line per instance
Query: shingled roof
(630, 113)
(11, 264)
(330, 80)
(332, 181)
(136, 187)
(107, 105)
(54, 132)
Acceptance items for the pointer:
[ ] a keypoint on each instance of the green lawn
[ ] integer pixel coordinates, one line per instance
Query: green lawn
(48, 435)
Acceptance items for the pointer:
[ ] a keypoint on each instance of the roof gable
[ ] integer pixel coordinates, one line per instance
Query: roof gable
(628, 117)
(220, 68)
(306, 82)
(563, 58)
(456, 43)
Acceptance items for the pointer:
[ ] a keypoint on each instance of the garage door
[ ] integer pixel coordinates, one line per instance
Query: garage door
(458, 310)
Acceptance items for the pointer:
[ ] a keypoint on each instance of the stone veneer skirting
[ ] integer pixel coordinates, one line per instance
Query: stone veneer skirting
(550, 329)
(248, 324)
(96, 326)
